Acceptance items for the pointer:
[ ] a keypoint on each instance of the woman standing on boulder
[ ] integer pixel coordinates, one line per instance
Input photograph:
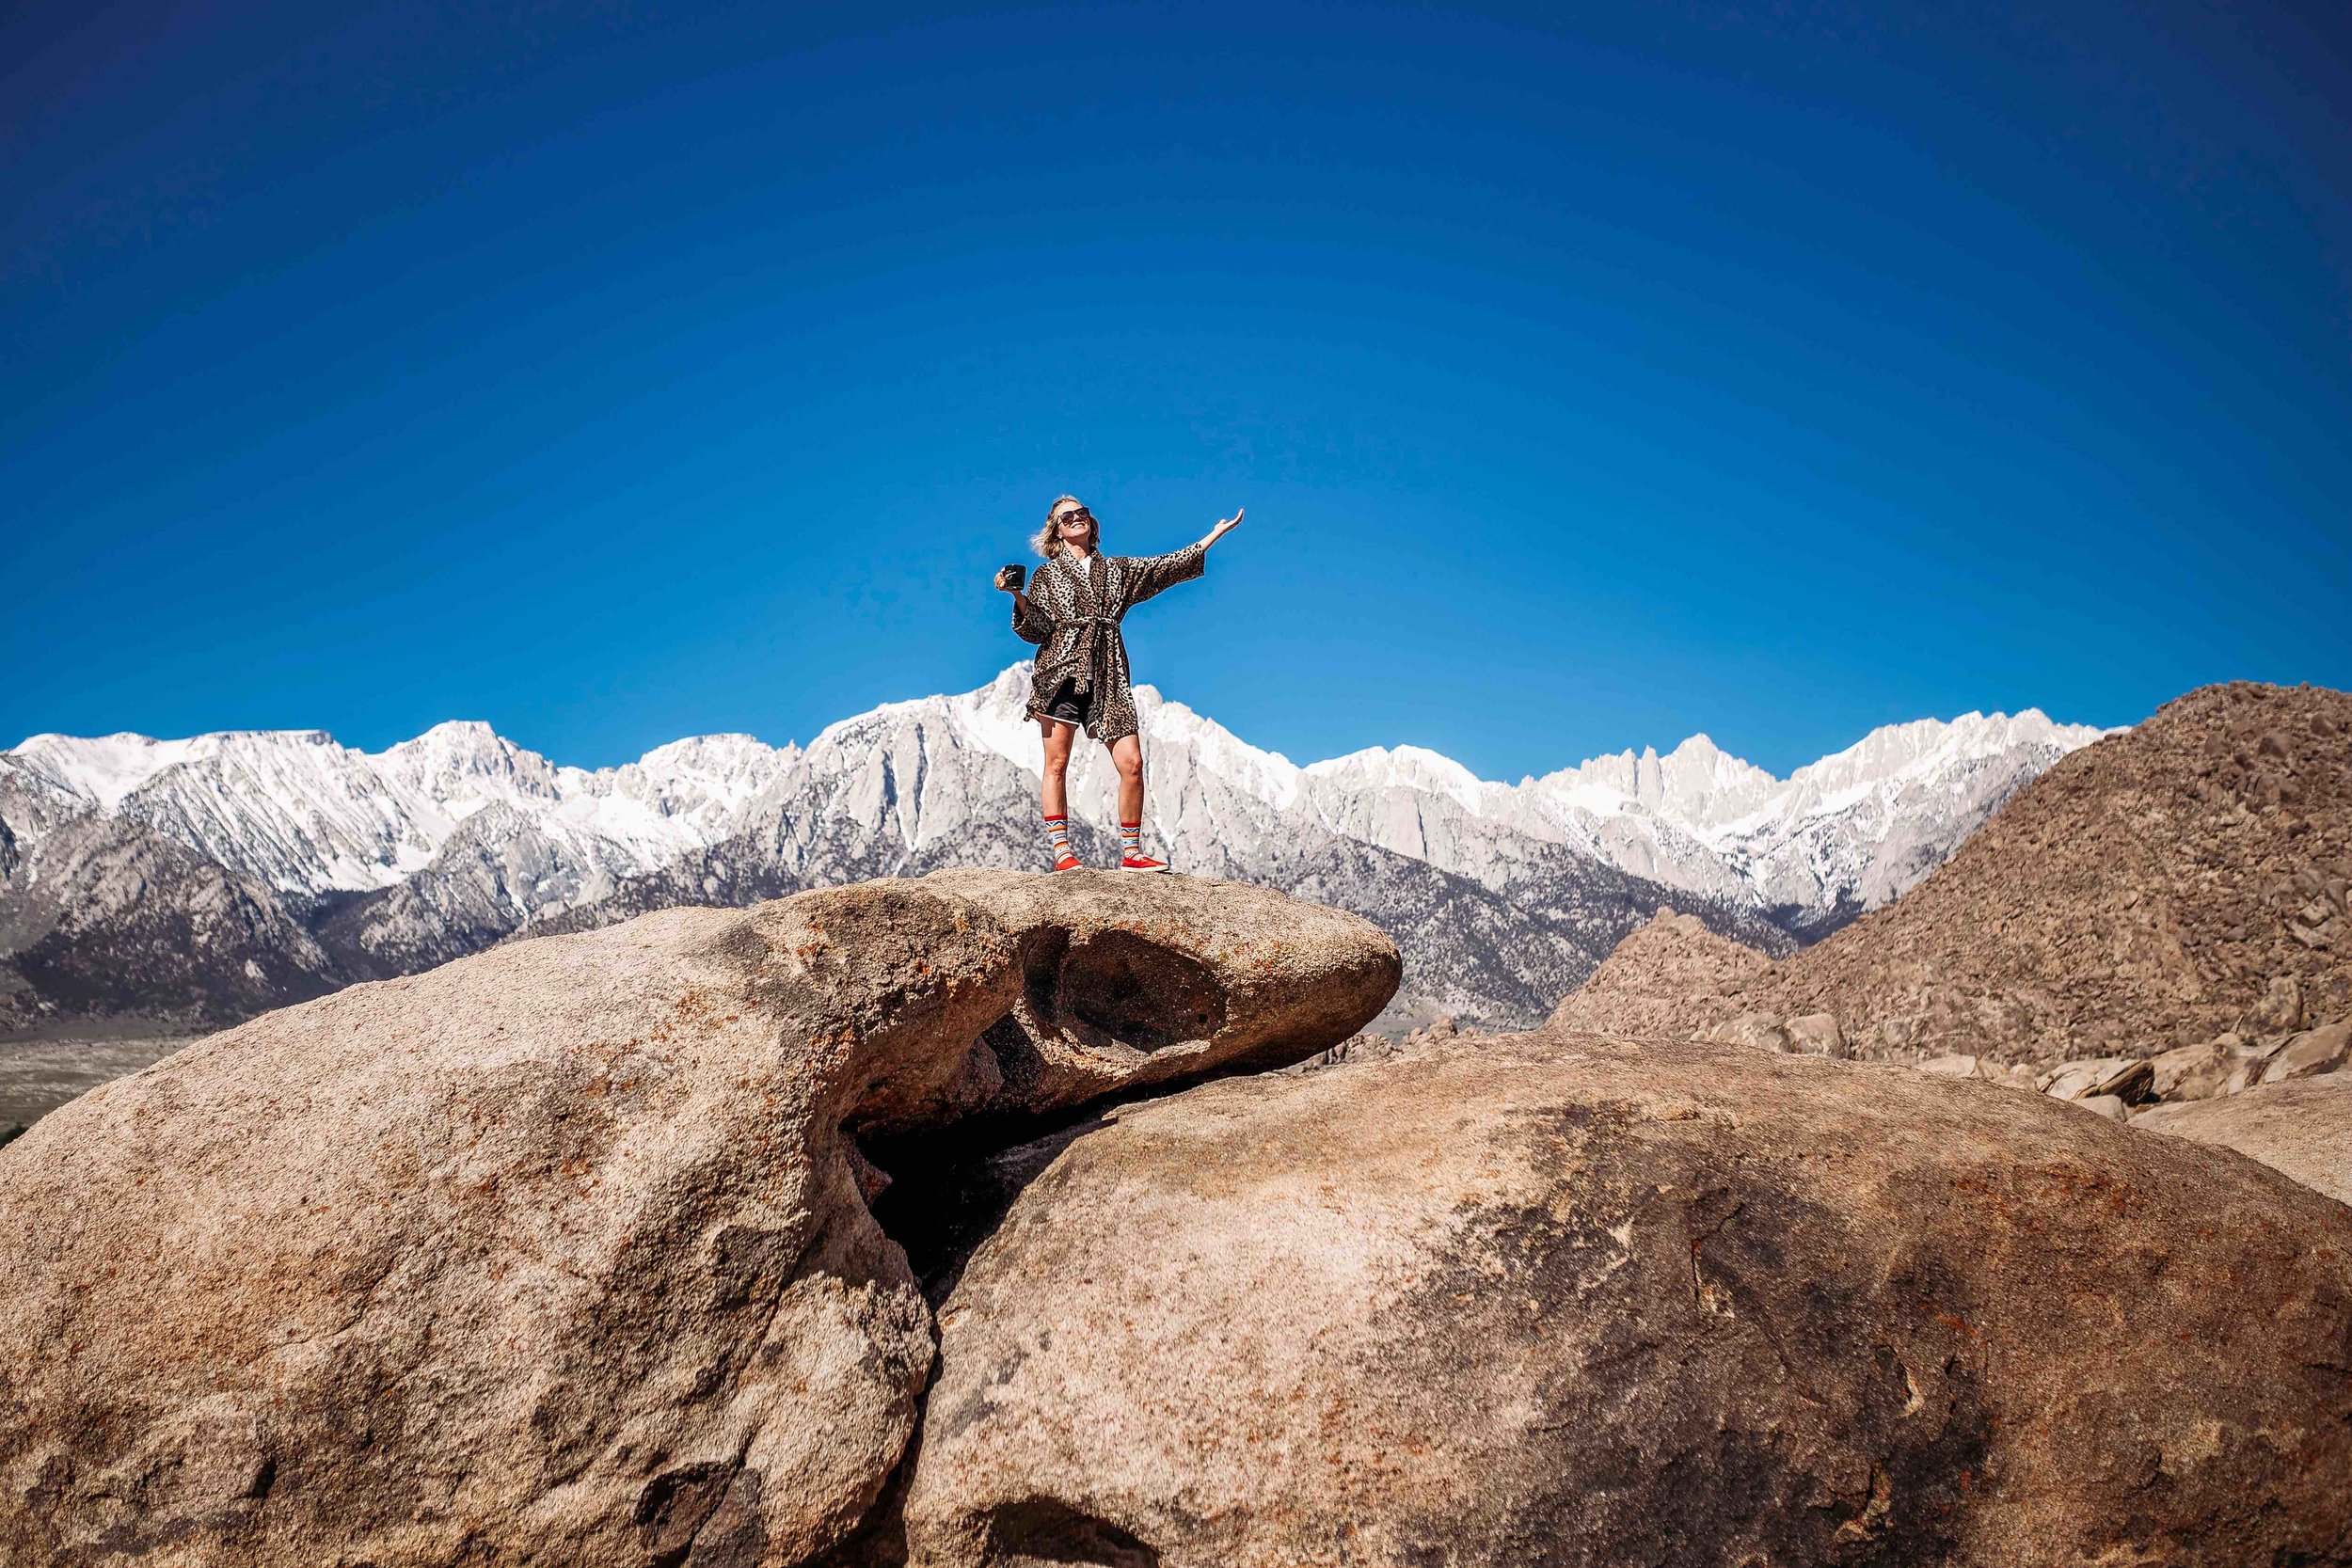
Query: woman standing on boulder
(1071, 611)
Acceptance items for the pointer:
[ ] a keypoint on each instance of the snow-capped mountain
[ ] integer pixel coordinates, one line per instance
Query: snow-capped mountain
(337, 863)
(307, 816)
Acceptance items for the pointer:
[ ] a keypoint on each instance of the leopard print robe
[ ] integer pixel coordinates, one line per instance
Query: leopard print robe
(1071, 611)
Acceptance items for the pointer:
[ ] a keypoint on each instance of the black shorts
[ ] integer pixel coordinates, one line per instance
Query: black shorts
(1068, 704)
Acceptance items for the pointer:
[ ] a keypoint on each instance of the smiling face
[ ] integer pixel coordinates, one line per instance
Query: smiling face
(1074, 526)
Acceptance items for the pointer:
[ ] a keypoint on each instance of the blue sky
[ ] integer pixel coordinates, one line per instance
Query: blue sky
(615, 374)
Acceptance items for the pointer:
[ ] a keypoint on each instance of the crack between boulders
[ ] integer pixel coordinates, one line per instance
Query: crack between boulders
(955, 1157)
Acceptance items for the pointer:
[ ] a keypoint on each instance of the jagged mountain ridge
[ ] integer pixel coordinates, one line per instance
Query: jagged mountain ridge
(310, 816)
(388, 862)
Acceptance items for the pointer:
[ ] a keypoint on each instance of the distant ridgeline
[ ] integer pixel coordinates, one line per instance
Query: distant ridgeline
(201, 881)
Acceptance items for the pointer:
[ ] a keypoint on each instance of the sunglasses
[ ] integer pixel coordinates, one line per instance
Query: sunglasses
(1081, 516)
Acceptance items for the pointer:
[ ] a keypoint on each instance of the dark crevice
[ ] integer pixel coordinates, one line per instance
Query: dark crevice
(940, 1193)
(1116, 987)
(948, 1195)
(1043, 1530)
(674, 1507)
(1019, 1065)
(1040, 980)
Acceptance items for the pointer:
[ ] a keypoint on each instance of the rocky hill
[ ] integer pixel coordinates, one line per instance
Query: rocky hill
(201, 880)
(2179, 886)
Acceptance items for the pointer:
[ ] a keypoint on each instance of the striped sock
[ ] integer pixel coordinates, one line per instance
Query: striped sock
(1057, 838)
(1130, 839)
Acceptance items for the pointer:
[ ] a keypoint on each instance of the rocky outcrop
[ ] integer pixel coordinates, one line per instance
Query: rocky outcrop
(1662, 978)
(1203, 975)
(1439, 1032)
(562, 1253)
(2302, 1129)
(2159, 890)
(1564, 1299)
(2309, 1053)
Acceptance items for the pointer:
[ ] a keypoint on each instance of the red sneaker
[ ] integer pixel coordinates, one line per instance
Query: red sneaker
(1140, 863)
(1070, 862)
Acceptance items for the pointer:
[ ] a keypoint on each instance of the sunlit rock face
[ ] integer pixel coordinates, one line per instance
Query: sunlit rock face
(563, 1252)
(1564, 1299)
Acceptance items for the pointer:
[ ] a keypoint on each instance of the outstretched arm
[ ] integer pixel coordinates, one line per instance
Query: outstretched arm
(1148, 574)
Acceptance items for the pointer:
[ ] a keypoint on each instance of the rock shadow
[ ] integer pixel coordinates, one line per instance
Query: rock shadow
(947, 1194)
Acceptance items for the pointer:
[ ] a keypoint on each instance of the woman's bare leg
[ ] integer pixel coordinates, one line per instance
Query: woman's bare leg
(1127, 753)
(1056, 789)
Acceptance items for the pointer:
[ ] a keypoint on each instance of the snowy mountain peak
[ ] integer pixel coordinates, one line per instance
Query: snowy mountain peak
(1926, 745)
(1216, 751)
(1696, 785)
(456, 745)
(100, 768)
(459, 732)
(1406, 768)
(106, 769)
(711, 757)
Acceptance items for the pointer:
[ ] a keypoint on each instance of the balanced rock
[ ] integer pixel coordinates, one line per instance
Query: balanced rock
(1126, 992)
(2302, 1129)
(1553, 1299)
(2122, 1077)
(562, 1253)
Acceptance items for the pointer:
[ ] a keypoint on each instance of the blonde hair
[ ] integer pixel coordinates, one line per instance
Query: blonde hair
(1048, 539)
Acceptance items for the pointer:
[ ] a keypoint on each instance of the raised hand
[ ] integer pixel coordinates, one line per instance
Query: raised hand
(1225, 525)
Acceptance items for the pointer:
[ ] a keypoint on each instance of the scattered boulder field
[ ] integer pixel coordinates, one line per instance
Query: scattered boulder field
(998, 1220)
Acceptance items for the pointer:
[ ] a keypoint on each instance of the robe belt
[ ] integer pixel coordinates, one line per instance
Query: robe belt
(1097, 622)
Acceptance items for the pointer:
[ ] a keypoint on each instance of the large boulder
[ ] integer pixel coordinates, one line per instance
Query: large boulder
(2302, 1129)
(561, 1254)
(1566, 1299)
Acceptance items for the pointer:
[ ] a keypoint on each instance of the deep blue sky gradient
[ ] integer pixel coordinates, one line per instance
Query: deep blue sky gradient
(617, 373)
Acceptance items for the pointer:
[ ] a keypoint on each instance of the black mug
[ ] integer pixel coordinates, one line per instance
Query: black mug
(1010, 578)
